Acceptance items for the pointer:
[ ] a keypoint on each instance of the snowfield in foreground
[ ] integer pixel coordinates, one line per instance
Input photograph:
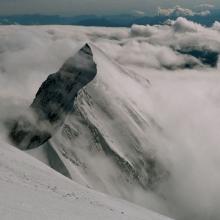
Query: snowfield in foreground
(31, 190)
(145, 129)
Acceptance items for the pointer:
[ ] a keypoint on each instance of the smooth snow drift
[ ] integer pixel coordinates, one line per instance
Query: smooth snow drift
(31, 190)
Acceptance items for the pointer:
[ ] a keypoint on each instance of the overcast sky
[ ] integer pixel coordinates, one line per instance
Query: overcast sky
(79, 7)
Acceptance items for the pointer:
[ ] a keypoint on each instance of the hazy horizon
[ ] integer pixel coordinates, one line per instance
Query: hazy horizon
(97, 7)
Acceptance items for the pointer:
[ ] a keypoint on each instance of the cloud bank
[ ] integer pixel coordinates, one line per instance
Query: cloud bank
(202, 10)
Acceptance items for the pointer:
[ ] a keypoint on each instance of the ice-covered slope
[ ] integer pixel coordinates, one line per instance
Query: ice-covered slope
(31, 190)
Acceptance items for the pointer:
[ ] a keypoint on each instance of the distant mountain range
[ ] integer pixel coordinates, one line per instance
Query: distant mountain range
(124, 20)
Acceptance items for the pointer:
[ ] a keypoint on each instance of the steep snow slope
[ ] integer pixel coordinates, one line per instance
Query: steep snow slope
(107, 131)
(31, 190)
(132, 138)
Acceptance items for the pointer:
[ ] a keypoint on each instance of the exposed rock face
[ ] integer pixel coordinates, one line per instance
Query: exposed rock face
(103, 142)
(206, 57)
(53, 101)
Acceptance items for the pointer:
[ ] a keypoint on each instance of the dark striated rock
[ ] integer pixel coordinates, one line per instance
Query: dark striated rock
(53, 101)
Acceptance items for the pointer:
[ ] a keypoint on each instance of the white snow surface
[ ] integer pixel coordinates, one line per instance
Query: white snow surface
(31, 190)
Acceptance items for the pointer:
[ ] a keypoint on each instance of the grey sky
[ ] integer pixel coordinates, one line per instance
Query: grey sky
(76, 7)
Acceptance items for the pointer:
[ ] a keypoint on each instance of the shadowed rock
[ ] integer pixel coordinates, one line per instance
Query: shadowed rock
(206, 57)
(53, 101)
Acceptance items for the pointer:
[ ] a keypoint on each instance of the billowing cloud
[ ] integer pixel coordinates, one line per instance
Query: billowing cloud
(183, 25)
(180, 33)
(180, 11)
(176, 11)
(216, 26)
(181, 101)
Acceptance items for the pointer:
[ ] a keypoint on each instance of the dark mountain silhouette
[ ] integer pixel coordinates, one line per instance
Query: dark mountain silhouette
(53, 101)
(123, 20)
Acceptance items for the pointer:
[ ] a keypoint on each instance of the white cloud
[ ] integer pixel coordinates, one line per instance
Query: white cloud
(216, 26)
(180, 11)
(165, 11)
(183, 25)
(138, 13)
(206, 6)
(185, 103)
(141, 30)
(179, 33)
(176, 11)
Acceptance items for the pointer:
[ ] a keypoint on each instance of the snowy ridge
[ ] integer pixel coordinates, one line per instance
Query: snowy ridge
(90, 137)
(31, 190)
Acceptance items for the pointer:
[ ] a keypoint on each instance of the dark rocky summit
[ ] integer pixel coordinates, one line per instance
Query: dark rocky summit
(53, 101)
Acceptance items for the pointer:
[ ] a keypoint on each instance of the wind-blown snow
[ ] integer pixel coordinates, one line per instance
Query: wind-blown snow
(144, 99)
(31, 190)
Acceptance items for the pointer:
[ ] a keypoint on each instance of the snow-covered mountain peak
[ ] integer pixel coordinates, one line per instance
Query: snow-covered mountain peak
(145, 128)
(53, 101)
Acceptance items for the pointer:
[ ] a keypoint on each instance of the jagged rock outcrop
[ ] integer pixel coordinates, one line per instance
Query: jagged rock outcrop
(53, 101)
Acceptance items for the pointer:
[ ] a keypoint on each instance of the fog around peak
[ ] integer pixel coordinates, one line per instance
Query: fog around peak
(165, 79)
